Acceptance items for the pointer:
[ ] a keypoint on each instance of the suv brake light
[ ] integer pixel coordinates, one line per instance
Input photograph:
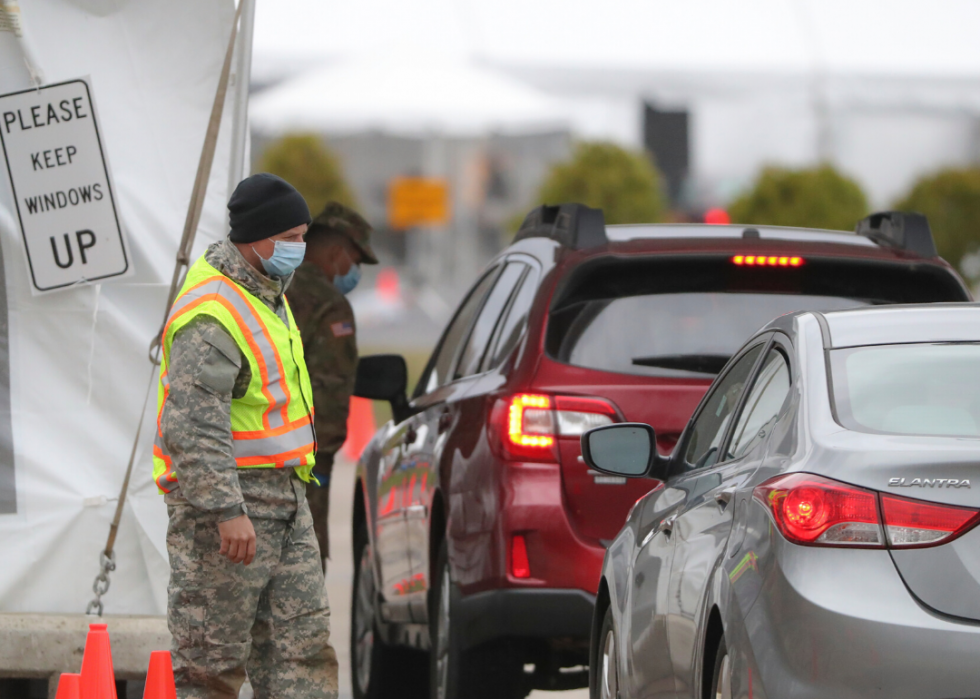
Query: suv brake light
(817, 511)
(768, 260)
(527, 426)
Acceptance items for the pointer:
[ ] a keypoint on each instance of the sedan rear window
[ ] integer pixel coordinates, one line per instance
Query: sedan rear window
(917, 389)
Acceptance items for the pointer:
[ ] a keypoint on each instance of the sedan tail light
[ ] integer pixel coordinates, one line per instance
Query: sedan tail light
(813, 510)
(817, 511)
(913, 523)
(526, 426)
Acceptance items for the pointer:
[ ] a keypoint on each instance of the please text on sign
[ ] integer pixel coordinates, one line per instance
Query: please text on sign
(61, 186)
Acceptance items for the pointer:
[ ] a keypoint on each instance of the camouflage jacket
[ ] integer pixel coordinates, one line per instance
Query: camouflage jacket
(206, 371)
(326, 322)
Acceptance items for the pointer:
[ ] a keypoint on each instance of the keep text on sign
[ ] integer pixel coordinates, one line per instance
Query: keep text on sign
(60, 182)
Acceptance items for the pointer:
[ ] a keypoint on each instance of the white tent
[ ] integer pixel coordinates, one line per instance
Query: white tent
(77, 359)
(416, 93)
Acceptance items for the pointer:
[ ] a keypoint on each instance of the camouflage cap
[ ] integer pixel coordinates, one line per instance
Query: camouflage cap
(337, 218)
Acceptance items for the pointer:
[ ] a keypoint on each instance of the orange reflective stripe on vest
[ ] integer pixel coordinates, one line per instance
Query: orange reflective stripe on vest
(168, 477)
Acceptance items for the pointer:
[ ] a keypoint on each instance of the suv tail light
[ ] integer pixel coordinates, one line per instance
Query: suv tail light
(526, 426)
(913, 523)
(817, 511)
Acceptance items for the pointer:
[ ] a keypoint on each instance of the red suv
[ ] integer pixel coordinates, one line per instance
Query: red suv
(479, 532)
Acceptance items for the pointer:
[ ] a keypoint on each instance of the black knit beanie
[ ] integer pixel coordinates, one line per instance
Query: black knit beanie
(264, 205)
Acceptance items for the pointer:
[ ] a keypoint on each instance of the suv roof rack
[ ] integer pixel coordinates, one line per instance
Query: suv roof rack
(899, 229)
(573, 225)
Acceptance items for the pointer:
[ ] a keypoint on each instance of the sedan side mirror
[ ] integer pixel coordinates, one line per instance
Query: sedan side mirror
(624, 449)
(384, 377)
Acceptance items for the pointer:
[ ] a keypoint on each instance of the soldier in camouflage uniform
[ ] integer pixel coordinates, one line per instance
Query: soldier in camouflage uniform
(270, 615)
(337, 242)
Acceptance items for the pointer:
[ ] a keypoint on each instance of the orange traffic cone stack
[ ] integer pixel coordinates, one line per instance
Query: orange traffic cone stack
(160, 677)
(98, 680)
(69, 686)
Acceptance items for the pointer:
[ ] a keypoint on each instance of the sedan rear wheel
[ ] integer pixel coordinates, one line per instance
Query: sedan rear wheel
(608, 679)
(721, 681)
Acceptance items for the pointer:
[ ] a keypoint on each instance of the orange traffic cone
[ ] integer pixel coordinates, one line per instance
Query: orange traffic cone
(98, 680)
(360, 427)
(160, 677)
(69, 686)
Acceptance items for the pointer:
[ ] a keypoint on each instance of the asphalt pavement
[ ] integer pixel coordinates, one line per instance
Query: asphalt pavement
(340, 574)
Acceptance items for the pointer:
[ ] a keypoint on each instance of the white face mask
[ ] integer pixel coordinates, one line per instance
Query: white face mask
(286, 257)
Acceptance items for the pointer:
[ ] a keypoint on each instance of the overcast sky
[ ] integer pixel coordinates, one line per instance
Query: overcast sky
(890, 36)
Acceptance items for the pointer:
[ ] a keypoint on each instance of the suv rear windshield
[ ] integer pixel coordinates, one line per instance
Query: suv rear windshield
(684, 316)
(919, 389)
(675, 334)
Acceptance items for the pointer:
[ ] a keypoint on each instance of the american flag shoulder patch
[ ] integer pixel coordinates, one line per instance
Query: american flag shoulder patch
(342, 329)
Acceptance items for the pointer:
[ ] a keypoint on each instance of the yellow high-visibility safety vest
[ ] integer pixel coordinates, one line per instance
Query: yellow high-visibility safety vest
(272, 424)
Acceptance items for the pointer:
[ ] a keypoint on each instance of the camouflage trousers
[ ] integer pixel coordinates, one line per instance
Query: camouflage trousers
(269, 618)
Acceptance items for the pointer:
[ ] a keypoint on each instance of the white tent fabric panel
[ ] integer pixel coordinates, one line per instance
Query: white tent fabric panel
(78, 358)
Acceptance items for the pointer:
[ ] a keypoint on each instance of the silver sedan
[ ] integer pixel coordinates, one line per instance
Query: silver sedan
(814, 534)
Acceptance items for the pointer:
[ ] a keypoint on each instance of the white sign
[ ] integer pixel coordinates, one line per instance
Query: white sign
(60, 181)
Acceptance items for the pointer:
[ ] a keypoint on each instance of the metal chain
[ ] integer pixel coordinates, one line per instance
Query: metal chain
(107, 558)
(101, 584)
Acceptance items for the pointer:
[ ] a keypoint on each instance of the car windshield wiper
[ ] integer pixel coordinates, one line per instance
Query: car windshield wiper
(701, 363)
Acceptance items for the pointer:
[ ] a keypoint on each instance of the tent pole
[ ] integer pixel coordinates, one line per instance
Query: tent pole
(11, 12)
(243, 75)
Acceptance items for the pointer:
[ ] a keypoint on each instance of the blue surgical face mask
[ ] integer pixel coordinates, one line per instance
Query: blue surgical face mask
(285, 258)
(345, 283)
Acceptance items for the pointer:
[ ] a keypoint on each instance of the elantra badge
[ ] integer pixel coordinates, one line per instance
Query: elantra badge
(928, 483)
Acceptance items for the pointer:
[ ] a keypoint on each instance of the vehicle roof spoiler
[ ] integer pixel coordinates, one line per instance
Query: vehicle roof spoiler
(899, 229)
(575, 226)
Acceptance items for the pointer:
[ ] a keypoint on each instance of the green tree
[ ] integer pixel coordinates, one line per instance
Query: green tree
(624, 184)
(306, 163)
(819, 197)
(950, 199)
